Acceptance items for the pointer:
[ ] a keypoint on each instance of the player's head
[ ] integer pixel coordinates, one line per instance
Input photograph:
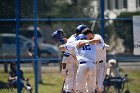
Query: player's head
(80, 28)
(87, 31)
(89, 34)
(80, 37)
(58, 35)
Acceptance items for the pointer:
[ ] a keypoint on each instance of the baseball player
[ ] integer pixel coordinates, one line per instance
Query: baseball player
(100, 59)
(69, 70)
(101, 65)
(69, 64)
(86, 63)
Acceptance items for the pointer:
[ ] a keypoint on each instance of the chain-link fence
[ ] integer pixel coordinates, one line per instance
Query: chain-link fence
(27, 25)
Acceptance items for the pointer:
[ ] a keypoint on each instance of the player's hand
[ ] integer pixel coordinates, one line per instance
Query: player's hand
(80, 44)
(15, 77)
(106, 46)
(65, 39)
(64, 73)
(62, 48)
(100, 89)
(30, 54)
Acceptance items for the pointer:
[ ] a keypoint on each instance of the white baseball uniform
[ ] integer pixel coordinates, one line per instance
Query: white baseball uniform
(86, 67)
(100, 62)
(71, 67)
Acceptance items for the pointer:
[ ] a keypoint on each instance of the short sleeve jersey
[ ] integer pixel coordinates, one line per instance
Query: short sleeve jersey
(71, 58)
(100, 50)
(85, 53)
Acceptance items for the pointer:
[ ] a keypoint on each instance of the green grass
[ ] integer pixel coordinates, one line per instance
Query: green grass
(52, 81)
(134, 81)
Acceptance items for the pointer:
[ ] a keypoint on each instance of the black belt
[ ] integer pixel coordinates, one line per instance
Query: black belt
(83, 62)
(100, 61)
(66, 54)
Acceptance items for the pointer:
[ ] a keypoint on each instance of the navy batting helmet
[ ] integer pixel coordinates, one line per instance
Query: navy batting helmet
(80, 28)
(58, 35)
(80, 37)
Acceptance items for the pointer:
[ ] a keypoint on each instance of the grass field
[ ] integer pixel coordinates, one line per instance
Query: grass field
(52, 81)
(134, 78)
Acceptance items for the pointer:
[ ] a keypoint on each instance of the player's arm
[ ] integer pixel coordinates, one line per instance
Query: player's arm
(108, 72)
(106, 46)
(63, 70)
(84, 42)
(10, 77)
(62, 48)
(94, 41)
(67, 46)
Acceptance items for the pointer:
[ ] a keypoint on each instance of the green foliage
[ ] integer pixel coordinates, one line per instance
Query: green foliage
(124, 29)
(47, 9)
(128, 14)
(7, 10)
(73, 9)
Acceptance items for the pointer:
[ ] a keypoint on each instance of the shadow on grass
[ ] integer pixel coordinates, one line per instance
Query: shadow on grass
(3, 85)
(48, 84)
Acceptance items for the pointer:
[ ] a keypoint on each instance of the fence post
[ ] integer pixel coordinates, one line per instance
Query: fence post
(102, 3)
(35, 45)
(17, 14)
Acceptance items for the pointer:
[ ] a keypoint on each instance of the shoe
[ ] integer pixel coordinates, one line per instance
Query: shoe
(28, 88)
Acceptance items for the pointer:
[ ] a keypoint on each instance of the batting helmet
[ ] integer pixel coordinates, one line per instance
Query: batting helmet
(80, 37)
(80, 28)
(58, 36)
(58, 33)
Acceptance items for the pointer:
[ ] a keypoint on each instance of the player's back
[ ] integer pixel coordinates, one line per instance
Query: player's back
(72, 57)
(86, 53)
(70, 40)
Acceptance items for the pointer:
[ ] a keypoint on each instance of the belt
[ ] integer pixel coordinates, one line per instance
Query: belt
(66, 54)
(99, 61)
(83, 62)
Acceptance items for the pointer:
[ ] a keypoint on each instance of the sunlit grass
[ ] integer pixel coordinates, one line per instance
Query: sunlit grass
(52, 81)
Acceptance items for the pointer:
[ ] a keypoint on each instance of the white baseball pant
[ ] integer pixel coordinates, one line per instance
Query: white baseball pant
(86, 75)
(100, 75)
(71, 68)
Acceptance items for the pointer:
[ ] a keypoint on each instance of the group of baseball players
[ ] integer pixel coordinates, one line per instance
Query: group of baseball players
(84, 62)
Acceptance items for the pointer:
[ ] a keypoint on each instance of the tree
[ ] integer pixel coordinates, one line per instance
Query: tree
(7, 9)
(74, 9)
(124, 29)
